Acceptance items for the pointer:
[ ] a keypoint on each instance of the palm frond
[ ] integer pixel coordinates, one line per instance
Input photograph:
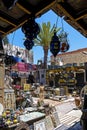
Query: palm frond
(44, 37)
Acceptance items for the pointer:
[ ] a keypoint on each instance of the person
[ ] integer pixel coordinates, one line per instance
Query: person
(83, 93)
(51, 80)
(83, 90)
(30, 78)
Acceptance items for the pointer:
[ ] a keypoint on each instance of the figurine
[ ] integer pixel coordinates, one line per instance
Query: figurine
(8, 80)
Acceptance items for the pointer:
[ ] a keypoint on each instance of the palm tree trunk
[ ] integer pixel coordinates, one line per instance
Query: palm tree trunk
(45, 48)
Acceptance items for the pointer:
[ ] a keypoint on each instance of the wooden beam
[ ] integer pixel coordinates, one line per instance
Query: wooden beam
(82, 16)
(13, 29)
(22, 8)
(2, 32)
(71, 18)
(45, 8)
(7, 21)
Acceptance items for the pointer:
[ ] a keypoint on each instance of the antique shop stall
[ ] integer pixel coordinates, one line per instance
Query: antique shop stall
(72, 77)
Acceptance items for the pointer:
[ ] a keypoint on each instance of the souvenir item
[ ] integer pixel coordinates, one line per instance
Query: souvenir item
(31, 116)
(64, 42)
(28, 44)
(31, 30)
(1, 109)
(55, 44)
(9, 60)
(22, 126)
(77, 101)
(40, 125)
(2, 123)
(49, 123)
(55, 118)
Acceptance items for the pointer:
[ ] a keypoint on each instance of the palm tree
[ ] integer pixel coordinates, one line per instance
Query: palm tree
(44, 39)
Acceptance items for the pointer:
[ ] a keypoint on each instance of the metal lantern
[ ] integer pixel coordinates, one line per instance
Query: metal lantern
(31, 29)
(9, 60)
(64, 45)
(28, 44)
(55, 44)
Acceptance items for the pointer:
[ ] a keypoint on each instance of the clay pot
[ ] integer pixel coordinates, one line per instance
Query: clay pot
(77, 101)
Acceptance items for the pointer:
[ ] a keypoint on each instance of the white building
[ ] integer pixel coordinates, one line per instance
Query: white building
(26, 55)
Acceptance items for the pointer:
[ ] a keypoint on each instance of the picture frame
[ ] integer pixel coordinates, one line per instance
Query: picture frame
(49, 123)
(57, 109)
(55, 118)
(40, 125)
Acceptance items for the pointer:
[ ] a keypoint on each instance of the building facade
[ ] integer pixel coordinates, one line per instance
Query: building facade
(77, 57)
(25, 55)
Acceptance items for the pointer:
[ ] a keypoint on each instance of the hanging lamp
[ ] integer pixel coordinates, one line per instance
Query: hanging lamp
(31, 29)
(55, 44)
(28, 44)
(9, 60)
(64, 45)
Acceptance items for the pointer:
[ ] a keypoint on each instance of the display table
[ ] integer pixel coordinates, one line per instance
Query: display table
(58, 98)
(29, 118)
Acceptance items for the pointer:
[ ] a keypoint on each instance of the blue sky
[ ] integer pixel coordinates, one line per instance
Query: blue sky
(76, 40)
